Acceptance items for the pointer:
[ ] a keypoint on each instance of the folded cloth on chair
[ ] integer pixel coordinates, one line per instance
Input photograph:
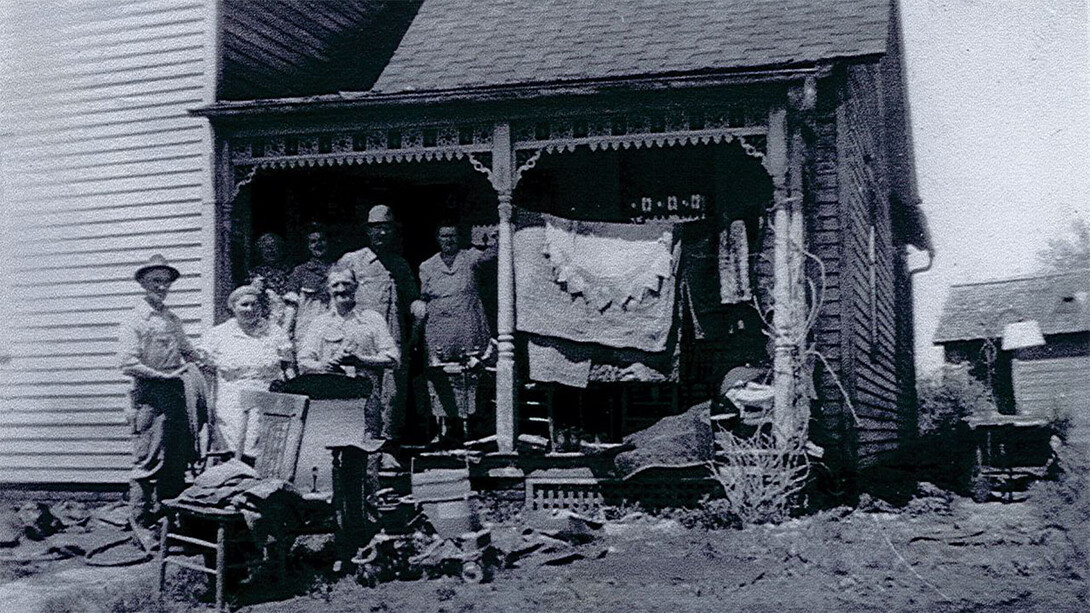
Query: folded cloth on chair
(595, 282)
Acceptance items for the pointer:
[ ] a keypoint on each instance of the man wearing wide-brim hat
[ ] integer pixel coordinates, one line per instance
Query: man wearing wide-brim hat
(154, 351)
(386, 285)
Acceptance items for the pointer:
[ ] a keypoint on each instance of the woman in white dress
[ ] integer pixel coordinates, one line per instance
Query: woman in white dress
(249, 352)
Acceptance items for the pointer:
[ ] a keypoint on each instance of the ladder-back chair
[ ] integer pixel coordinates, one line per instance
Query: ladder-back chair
(280, 420)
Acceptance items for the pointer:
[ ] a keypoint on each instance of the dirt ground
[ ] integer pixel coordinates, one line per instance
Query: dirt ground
(940, 553)
(934, 555)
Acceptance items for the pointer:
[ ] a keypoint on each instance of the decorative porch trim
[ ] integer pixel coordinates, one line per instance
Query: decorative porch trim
(451, 141)
(503, 152)
(639, 130)
(369, 145)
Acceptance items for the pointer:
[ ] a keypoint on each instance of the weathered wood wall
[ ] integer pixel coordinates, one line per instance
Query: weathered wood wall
(869, 275)
(835, 429)
(864, 329)
(104, 168)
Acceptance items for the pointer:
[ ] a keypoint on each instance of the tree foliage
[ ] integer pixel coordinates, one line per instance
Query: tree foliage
(1069, 251)
(949, 395)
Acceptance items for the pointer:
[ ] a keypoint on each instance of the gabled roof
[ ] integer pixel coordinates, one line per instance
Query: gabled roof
(1058, 302)
(455, 44)
(290, 48)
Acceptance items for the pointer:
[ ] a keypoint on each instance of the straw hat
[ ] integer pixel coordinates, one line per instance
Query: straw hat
(157, 262)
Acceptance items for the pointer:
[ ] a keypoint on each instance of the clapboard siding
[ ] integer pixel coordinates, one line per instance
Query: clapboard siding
(859, 329)
(836, 425)
(104, 167)
(102, 402)
(126, 147)
(179, 222)
(71, 477)
(64, 448)
(85, 418)
(177, 159)
(105, 216)
(93, 260)
(172, 195)
(1054, 387)
(108, 302)
(101, 100)
(107, 243)
(871, 332)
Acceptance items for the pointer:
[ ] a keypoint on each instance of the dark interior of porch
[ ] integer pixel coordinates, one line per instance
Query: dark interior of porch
(701, 189)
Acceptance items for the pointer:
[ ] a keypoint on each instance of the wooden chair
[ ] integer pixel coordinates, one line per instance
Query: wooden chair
(282, 419)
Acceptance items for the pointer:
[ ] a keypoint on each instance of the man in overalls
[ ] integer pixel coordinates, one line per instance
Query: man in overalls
(386, 285)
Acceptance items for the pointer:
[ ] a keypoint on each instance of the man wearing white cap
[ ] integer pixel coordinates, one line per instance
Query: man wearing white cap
(153, 351)
(386, 286)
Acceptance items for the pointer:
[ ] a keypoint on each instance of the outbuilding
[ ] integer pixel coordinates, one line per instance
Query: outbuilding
(1028, 340)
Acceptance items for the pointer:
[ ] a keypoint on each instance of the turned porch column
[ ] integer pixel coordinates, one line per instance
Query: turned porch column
(776, 160)
(784, 161)
(503, 181)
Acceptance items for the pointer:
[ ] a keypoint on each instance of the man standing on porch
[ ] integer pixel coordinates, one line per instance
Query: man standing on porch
(386, 286)
(154, 351)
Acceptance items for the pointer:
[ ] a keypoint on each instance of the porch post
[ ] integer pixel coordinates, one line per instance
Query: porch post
(776, 159)
(222, 242)
(784, 162)
(503, 181)
(802, 99)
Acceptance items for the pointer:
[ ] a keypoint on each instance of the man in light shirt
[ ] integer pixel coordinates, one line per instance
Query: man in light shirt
(154, 351)
(351, 341)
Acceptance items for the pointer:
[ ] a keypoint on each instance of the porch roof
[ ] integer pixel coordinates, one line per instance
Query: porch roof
(455, 44)
(278, 50)
(1058, 302)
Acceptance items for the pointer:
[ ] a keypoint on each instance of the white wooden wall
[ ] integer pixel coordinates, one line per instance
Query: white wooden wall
(102, 168)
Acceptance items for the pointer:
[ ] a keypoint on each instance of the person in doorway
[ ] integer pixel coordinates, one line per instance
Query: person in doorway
(248, 352)
(386, 286)
(271, 265)
(271, 276)
(307, 282)
(456, 330)
(349, 339)
(153, 351)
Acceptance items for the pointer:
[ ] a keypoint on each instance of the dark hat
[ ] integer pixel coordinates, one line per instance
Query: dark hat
(157, 261)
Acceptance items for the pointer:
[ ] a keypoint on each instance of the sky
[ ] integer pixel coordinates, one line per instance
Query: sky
(999, 95)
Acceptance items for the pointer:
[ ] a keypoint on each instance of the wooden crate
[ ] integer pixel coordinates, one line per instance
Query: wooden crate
(575, 489)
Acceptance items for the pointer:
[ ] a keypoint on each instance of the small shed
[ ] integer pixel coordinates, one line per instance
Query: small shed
(1049, 378)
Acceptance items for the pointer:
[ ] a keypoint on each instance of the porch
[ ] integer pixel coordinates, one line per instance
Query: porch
(696, 161)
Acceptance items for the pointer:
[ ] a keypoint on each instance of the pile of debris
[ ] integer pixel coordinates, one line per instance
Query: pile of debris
(548, 538)
(36, 532)
(443, 536)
